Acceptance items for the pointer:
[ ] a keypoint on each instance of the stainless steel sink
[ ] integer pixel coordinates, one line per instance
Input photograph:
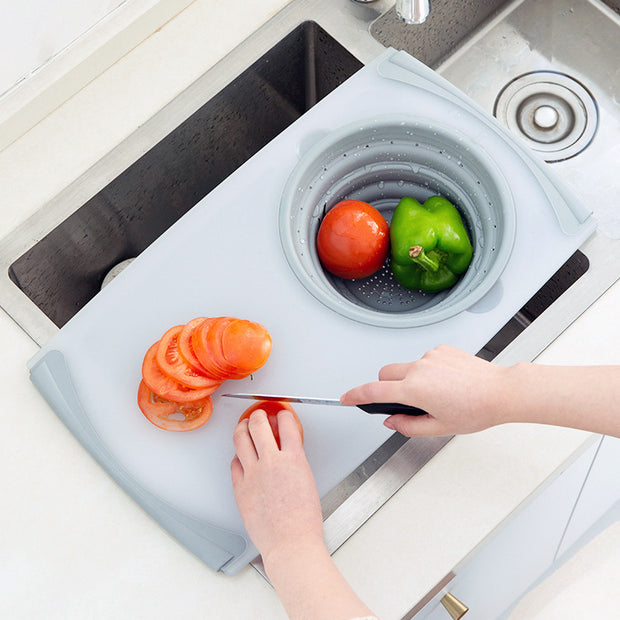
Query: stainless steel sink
(66, 268)
(56, 261)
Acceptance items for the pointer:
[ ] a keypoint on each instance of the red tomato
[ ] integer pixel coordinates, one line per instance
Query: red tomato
(353, 240)
(271, 408)
(160, 383)
(172, 416)
(172, 363)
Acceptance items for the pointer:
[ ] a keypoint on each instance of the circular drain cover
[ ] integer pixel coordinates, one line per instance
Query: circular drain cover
(554, 113)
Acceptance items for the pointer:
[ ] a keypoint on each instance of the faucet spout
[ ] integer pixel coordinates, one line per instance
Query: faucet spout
(413, 11)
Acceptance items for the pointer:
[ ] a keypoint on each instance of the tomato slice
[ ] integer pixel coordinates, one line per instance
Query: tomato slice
(245, 345)
(186, 349)
(205, 345)
(172, 416)
(171, 362)
(271, 408)
(166, 387)
(214, 346)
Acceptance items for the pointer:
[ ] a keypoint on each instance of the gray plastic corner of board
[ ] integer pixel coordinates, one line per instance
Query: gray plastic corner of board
(215, 546)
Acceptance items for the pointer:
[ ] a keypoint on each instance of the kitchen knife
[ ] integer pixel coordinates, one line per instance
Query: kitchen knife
(384, 408)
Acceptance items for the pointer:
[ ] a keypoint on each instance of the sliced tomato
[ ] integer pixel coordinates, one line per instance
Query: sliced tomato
(271, 408)
(245, 345)
(166, 387)
(230, 348)
(206, 348)
(185, 344)
(215, 348)
(173, 416)
(170, 361)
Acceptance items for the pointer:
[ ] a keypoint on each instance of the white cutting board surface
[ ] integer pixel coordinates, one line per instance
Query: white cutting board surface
(224, 258)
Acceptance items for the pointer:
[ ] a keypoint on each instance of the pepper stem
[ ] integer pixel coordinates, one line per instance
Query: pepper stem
(421, 258)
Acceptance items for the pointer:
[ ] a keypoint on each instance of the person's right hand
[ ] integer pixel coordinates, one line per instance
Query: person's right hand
(461, 393)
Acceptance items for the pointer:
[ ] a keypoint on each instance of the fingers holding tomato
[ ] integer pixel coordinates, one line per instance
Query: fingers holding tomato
(353, 240)
(272, 408)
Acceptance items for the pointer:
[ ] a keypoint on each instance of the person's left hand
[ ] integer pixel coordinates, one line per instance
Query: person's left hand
(274, 488)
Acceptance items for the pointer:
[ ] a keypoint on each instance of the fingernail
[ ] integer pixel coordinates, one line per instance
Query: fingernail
(389, 424)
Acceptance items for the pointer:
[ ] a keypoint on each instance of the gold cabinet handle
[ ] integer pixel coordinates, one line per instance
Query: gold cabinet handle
(454, 607)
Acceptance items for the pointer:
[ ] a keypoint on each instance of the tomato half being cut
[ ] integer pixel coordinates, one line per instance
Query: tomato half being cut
(170, 361)
(353, 240)
(171, 416)
(271, 408)
(166, 387)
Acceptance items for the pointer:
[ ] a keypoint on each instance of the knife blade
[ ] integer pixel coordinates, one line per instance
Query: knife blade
(383, 408)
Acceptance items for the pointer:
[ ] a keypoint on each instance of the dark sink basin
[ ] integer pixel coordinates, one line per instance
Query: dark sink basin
(65, 269)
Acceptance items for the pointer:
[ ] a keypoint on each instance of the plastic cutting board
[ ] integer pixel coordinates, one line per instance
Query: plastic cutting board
(224, 258)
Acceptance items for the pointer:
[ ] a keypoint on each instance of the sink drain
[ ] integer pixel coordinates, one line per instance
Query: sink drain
(554, 113)
(115, 271)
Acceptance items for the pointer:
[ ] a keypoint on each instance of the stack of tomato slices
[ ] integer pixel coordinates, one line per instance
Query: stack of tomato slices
(182, 369)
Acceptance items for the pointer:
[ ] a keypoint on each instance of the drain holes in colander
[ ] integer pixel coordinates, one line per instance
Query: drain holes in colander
(554, 113)
(382, 293)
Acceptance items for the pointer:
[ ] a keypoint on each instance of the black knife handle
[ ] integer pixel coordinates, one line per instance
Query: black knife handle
(391, 408)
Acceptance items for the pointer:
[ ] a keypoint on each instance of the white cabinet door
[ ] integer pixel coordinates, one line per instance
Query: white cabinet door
(600, 493)
(507, 562)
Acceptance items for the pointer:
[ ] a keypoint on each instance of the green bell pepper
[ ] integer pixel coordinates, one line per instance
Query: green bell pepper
(429, 244)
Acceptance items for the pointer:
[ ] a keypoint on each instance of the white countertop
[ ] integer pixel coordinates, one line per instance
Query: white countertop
(73, 545)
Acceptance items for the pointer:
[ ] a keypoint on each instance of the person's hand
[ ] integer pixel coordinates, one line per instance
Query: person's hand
(279, 502)
(274, 488)
(461, 393)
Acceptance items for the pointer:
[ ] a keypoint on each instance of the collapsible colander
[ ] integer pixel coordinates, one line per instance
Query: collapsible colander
(379, 162)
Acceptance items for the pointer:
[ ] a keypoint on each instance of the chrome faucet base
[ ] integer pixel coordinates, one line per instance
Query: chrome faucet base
(413, 11)
(409, 11)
